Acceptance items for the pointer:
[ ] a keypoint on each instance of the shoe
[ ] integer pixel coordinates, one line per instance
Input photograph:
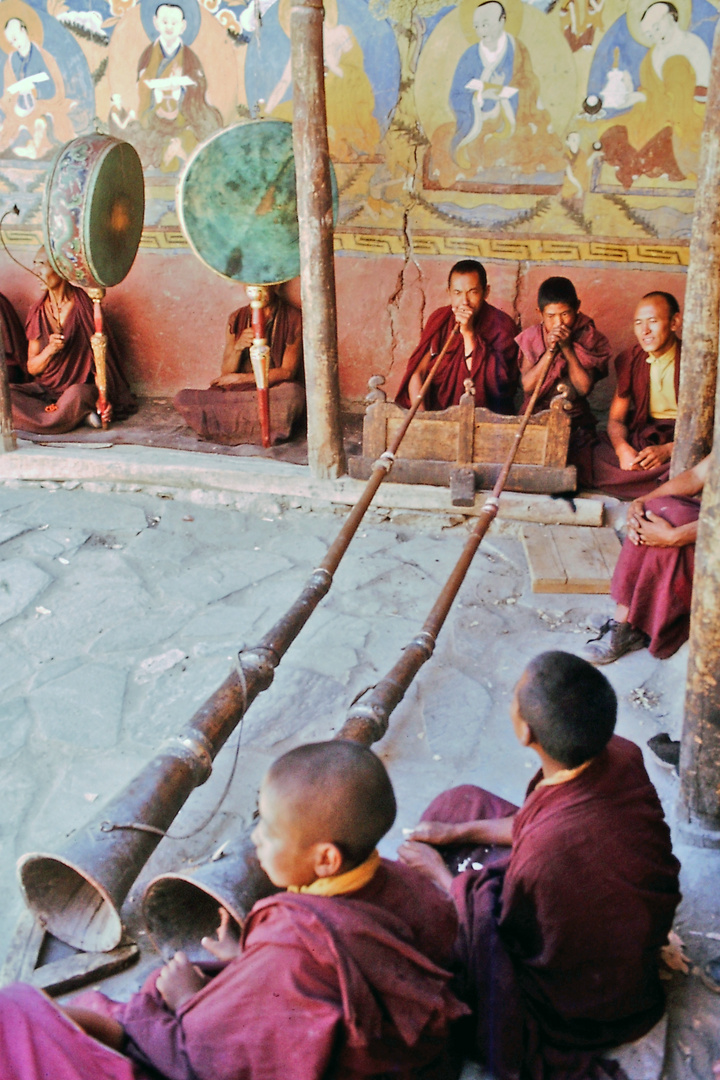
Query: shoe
(665, 750)
(624, 638)
(710, 975)
(93, 420)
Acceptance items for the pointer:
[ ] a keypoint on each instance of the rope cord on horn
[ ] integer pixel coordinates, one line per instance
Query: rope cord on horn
(139, 826)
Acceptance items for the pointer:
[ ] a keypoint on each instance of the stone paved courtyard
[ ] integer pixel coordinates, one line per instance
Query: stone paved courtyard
(121, 611)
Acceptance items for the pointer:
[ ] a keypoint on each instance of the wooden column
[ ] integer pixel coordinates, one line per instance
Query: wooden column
(699, 807)
(7, 431)
(314, 196)
(696, 405)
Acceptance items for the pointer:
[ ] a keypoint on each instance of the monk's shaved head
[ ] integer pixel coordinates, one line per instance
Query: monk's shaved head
(339, 791)
(569, 705)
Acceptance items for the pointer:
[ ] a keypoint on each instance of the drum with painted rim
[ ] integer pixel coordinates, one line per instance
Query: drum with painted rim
(93, 210)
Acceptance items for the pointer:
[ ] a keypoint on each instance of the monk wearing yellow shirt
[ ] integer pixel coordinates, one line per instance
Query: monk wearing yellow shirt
(633, 456)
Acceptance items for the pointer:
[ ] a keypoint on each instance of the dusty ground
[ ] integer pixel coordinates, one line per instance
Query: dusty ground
(121, 611)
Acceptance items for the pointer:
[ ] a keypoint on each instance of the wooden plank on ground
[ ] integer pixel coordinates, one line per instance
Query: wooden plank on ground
(547, 572)
(24, 950)
(570, 558)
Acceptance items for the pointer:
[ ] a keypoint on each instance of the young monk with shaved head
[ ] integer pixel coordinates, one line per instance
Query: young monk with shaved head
(342, 976)
(564, 903)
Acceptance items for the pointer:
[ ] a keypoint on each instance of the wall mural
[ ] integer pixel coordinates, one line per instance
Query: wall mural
(519, 128)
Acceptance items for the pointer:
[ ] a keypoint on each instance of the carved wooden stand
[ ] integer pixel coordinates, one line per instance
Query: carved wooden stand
(463, 446)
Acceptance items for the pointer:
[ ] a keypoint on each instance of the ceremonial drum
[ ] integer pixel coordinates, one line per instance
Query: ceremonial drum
(93, 210)
(237, 203)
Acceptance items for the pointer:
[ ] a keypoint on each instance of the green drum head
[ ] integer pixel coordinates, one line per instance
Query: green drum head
(93, 210)
(114, 218)
(237, 203)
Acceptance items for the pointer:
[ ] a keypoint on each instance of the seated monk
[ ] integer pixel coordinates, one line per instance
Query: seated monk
(633, 456)
(483, 351)
(652, 581)
(63, 392)
(340, 976)
(14, 342)
(222, 415)
(564, 903)
(582, 356)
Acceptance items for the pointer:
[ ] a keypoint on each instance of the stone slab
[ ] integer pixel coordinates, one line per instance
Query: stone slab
(182, 470)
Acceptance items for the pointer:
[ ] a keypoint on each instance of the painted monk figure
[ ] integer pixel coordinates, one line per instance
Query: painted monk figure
(223, 415)
(652, 581)
(582, 356)
(14, 342)
(63, 393)
(633, 456)
(567, 900)
(340, 976)
(483, 351)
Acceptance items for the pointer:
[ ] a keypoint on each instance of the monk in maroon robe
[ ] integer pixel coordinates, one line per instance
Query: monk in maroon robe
(582, 356)
(653, 577)
(222, 414)
(565, 903)
(483, 348)
(633, 456)
(342, 976)
(63, 392)
(14, 342)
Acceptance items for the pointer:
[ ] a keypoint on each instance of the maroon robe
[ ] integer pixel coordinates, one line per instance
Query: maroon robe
(655, 583)
(325, 987)
(604, 472)
(14, 342)
(68, 381)
(221, 415)
(559, 941)
(494, 368)
(593, 352)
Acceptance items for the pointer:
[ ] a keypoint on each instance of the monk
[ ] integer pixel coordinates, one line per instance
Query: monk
(652, 581)
(342, 975)
(581, 358)
(63, 392)
(14, 342)
(483, 350)
(222, 414)
(633, 456)
(564, 903)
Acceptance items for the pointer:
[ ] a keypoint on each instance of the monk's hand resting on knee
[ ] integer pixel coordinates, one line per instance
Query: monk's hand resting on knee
(436, 832)
(428, 861)
(627, 457)
(178, 981)
(652, 456)
(225, 946)
(653, 531)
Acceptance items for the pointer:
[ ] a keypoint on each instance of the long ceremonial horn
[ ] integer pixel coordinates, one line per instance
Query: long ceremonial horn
(237, 881)
(77, 894)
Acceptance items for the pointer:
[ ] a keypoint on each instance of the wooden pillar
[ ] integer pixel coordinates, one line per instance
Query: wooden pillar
(699, 806)
(7, 432)
(696, 405)
(314, 196)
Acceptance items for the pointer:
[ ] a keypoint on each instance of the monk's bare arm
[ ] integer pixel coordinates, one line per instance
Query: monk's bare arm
(234, 347)
(530, 376)
(102, 1028)
(618, 432)
(288, 370)
(417, 379)
(38, 359)
(580, 378)
(492, 831)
